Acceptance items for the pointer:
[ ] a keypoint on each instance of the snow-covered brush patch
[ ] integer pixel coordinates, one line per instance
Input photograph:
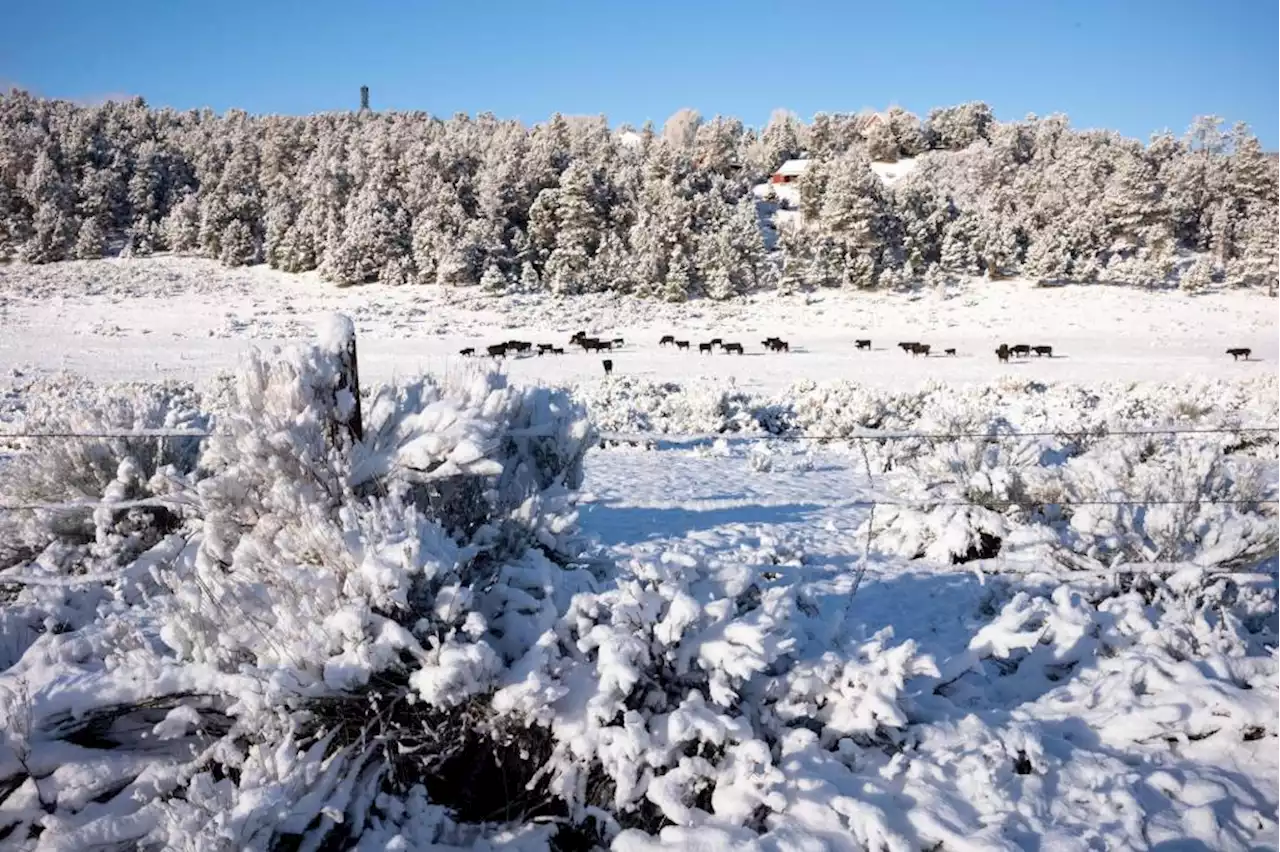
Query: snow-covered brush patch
(403, 570)
(997, 490)
(405, 640)
(627, 404)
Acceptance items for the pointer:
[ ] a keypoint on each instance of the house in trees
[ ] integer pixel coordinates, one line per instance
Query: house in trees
(789, 171)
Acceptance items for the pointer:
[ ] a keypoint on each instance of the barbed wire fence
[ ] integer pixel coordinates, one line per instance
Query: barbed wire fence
(658, 438)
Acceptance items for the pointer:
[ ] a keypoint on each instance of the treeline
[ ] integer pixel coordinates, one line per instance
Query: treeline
(572, 205)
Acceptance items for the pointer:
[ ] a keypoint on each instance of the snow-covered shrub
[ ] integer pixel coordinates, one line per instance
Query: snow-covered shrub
(628, 404)
(963, 499)
(77, 469)
(326, 576)
(671, 695)
(1157, 483)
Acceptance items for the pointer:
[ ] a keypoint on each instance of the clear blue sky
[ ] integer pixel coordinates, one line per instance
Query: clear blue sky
(1132, 65)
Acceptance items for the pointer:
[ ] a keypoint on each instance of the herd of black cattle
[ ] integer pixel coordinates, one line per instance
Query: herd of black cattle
(774, 344)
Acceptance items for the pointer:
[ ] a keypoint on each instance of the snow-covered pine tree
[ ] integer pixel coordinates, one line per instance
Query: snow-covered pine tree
(1259, 264)
(957, 127)
(681, 129)
(493, 281)
(678, 285)
(90, 240)
(882, 145)
(376, 236)
(231, 214)
(53, 225)
(853, 224)
(959, 257)
(780, 140)
(529, 280)
(1047, 258)
(1198, 276)
(181, 226)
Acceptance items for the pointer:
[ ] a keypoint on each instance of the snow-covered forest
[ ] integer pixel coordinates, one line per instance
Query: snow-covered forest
(573, 205)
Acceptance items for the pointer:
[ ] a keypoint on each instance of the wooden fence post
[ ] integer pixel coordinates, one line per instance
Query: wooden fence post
(339, 338)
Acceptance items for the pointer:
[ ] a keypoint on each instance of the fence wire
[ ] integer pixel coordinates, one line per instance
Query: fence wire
(637, 437)
(676, 437)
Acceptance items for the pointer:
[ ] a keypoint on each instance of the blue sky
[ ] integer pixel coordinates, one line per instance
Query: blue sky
(1132, 65)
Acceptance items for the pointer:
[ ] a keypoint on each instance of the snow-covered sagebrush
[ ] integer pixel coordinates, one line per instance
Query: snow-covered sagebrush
(414, 564)
(404, 640)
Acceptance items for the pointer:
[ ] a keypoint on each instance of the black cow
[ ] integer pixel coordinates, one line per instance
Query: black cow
(608, 366)
(717, 341)
(704, 347)
(1042, 350)
(948, 352)
(908, 345)
(497, 350)
(732, 347)
(577, 336)
(682, 344)
(544, 348)
(1021, 350)
(468, 352)
(519, 345)
(1003, 352)
(667, 339)
(862, 344)
(619, 342)
(1236, 354)
(920, 349)
(557, 350)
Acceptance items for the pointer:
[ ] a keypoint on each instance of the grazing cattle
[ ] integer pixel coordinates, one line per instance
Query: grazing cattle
(519, 345)
(608, 366)
(497, 350)
(782, 346)
(1236, 354)
(732, 347)
(1022, 350)
(667, 339)
(544, 348)
(557, 350)
(588, 343)
(1003, 352)
(619, 342)
(1042, 350)
(717, 341)
(908, 345)
(862, 344)
(682, 344)
(468, 352)
(948, 352)
(604, 344)
(577, 336)
(704, 347)
(921, 349)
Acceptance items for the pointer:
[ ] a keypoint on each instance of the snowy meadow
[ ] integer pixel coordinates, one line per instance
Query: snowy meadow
(761, 603)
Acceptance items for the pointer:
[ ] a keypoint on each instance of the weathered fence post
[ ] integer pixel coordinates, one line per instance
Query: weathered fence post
(338, 337)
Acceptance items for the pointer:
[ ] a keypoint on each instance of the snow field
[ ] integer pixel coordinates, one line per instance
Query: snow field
(186, 318)
(661, 645)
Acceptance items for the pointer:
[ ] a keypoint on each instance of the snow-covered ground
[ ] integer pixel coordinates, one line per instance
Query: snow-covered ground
(188, 318)
(893, 172)
(1045, 743)
(674, 641)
